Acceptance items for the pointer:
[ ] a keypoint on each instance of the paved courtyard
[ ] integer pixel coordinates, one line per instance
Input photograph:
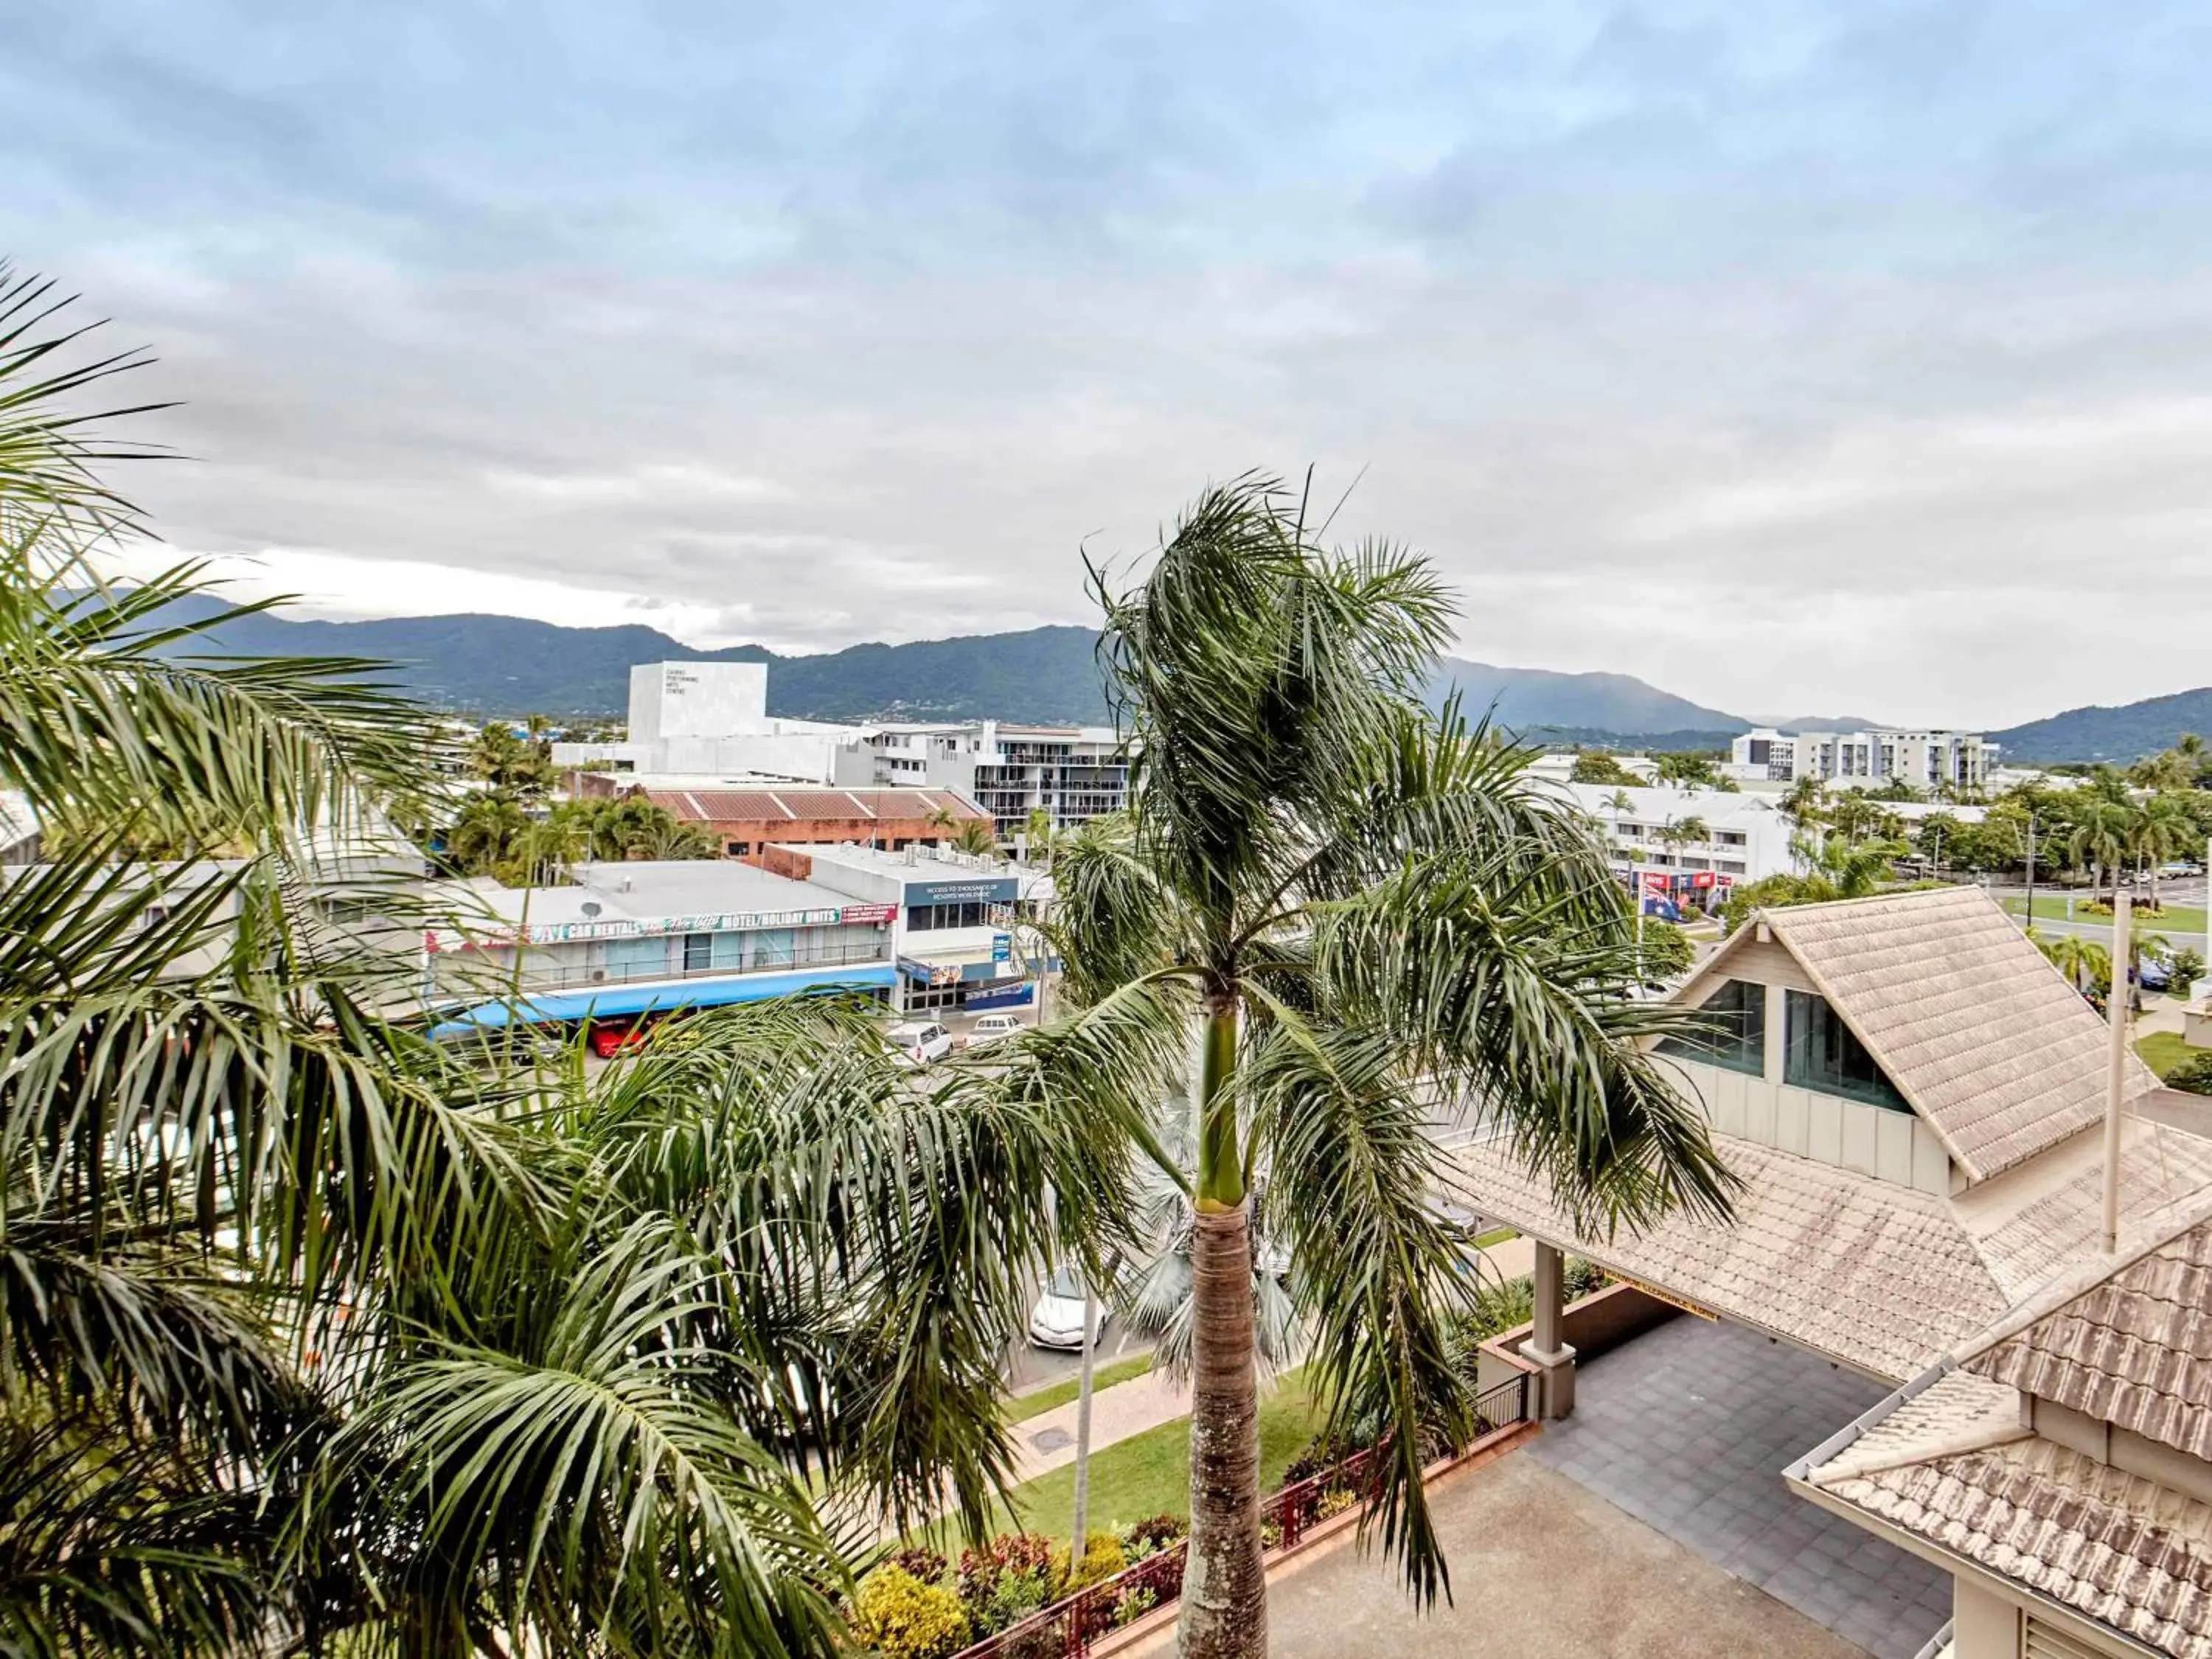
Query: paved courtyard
(1689, 1427)
(1540, 1569)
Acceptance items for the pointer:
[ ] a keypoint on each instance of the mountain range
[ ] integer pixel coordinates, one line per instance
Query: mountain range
(494, 664)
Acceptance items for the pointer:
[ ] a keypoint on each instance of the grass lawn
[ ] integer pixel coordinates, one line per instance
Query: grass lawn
(2178, 918)
(1149, 1473)
(2164, 1050)
(1037, 1401)
(1495, 1235)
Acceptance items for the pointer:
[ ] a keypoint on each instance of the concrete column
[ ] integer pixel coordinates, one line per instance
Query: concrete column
(1553, 1360)
(1983, 1625)
(1777, 1039)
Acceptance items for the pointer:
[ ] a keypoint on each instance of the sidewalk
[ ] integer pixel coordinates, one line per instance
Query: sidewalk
(1047, 1440)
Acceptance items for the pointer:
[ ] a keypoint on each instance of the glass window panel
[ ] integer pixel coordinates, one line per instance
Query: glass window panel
(1824, 1055)
(1736, 1014)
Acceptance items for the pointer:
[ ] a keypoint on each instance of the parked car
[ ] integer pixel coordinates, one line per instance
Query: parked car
(1056, 1321)
(920, 1040)
(991, 1027)
(612, 1037)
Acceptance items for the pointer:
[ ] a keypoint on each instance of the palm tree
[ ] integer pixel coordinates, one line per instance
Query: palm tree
(977, 837)
(1367, 908)
(483, 835)
(2086, 964)
(2104, 830)
(2163, 827)
(316, 1333)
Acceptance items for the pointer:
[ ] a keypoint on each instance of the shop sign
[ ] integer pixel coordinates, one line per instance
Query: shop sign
(961, 892)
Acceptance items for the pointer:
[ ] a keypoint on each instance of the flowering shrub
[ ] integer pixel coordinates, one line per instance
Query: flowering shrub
(1102, 1558)
(902, 1618)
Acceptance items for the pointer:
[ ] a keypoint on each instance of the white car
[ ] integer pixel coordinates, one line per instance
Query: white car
(920, 1040)
(1056, 1321)
(991, 1027)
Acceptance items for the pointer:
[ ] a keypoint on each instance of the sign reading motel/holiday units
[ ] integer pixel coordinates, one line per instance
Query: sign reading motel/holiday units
(724, 921)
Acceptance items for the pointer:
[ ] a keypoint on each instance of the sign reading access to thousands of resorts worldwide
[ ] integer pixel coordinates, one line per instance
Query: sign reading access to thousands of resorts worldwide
(725, 922)
(962, 893)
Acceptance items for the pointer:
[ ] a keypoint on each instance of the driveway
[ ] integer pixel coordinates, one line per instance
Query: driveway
(1541, 1568)
(1689, 1427)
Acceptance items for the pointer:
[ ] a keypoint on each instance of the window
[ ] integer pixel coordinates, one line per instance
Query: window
(1737, 1034)
(738, 849)
(698, 952)
(1730, 837)
(1824, 1055)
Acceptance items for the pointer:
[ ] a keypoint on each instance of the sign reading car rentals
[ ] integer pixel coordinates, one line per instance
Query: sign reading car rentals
(724, 921)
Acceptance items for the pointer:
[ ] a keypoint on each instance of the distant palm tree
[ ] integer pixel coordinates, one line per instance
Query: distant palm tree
(2103, 831)
(2086, 964)
(2163, 827)
(978, 836)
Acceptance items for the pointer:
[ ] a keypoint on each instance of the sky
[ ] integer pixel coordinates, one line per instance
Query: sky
(1799, 358)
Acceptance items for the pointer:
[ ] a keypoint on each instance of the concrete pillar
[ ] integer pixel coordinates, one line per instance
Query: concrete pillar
(1777, 1039)
(1553, 1360)
(1983, 1625)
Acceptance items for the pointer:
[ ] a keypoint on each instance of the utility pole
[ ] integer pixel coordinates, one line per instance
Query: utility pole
(2116, 1009)
(2030, 869)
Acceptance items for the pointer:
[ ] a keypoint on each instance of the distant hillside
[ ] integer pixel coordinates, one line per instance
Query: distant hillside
(2122, 734)
(1794, 723)
(512, 666)
(1533, 699)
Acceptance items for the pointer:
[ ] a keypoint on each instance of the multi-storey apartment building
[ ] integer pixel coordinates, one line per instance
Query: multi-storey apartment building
(1071, 773)
(1951, 761)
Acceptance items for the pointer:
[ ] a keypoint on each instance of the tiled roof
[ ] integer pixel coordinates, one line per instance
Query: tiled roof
(1953, 1466)
(1880, 1276)
(794, 805)
(1997, 1054)
(1877, 1275)
(2135, 1350)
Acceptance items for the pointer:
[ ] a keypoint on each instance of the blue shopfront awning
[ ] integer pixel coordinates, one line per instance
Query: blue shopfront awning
(623, 1001)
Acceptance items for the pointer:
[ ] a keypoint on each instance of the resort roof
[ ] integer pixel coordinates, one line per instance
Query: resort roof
(797, 805)
(1954, 1462)
(1995, 1051)
(1877, 1275)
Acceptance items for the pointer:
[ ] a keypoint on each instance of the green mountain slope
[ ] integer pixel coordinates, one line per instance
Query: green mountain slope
(2124, 734)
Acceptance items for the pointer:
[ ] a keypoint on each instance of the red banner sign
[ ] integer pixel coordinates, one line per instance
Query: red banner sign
(852, 913)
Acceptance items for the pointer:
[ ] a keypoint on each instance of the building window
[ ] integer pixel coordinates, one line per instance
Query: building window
(738, 849)
(1736, 1033)
(698, 952)
(1822, 1054)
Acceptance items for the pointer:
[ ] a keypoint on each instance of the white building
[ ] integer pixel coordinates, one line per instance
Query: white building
(1073, 772)
(620, 940)
(711, 717)
(959, 930)
(1733, 837)
(1860, 760)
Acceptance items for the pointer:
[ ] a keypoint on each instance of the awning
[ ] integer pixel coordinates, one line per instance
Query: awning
(622, 1002)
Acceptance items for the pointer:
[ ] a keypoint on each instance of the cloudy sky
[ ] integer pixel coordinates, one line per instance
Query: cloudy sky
(1798, 357)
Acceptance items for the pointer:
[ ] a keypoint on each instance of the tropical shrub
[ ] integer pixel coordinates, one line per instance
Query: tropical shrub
(1102, 1559)
(1005, 1580)
(1141, 1539)
(2194, 1075)
(1135, 1603)
(926, 1564)
(902, 1617)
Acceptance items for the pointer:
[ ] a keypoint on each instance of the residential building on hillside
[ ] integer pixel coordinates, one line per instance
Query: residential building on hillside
(712, 717)
(744, 817)
(1958, 760)
(619, 940)
(1745, 836)
(961, 932)
(1071, 773)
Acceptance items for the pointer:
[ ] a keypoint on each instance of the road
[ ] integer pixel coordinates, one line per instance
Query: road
(1029, 1367)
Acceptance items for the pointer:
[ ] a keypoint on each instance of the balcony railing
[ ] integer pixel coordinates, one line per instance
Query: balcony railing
(1070, 1626)
(577, 978)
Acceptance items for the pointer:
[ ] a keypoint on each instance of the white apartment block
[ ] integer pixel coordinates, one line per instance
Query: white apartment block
(1073, 772)
(1861, 760)
(1732, 837)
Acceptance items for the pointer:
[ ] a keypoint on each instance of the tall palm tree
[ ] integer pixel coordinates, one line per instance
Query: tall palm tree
(1367, 908)
(2103, 831)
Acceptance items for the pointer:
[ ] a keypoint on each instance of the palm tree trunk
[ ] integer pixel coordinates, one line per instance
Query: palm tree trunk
(1225, 1589)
